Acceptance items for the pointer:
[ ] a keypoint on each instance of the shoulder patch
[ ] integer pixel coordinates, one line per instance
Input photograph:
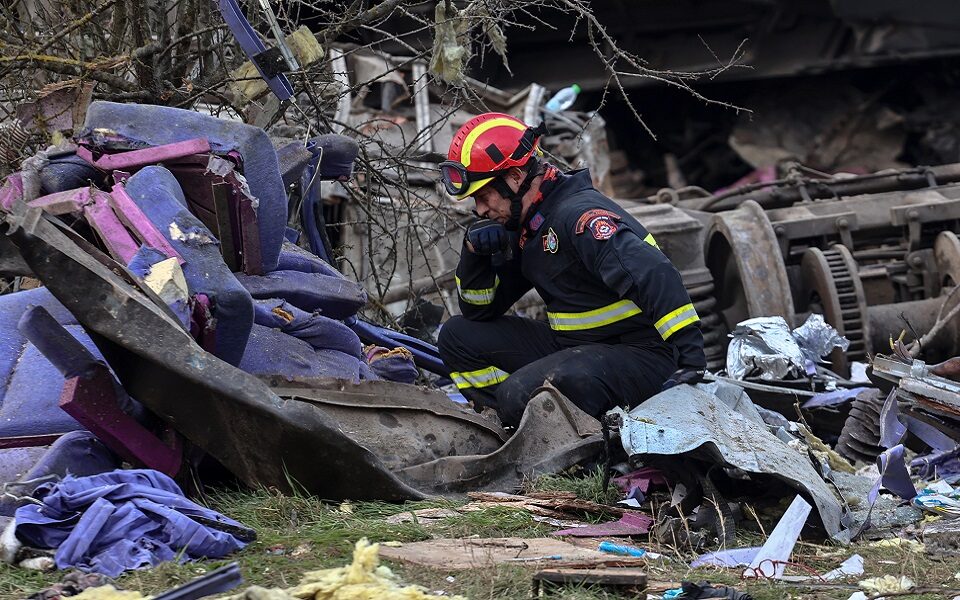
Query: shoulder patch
(597, 217)
(601, 223)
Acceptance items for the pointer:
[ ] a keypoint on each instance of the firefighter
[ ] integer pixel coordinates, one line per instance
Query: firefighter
(621, 326)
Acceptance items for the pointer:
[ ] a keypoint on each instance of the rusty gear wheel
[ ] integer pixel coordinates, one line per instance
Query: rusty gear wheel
(831, 279)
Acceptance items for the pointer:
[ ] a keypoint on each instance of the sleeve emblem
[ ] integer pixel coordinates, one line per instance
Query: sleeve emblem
(601, 223)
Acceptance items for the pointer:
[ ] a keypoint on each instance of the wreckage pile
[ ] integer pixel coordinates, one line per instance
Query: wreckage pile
(182, 324)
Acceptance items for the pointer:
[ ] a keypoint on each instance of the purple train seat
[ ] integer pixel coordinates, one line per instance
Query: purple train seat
(331, 296)
(158, 194)
(30, 385)
(147, 125)
(292, 343)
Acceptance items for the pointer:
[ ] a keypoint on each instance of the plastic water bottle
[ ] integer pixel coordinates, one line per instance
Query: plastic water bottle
(563, 99)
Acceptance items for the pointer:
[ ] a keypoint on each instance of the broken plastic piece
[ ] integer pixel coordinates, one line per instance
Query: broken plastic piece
(629, 524)
(852, 567)
(893, 475)
(734, 557)
(147, 156)
(218, 581)
(939, 501)
(770, 560)
(611, 548)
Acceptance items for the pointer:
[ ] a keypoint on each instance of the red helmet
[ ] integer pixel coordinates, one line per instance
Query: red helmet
(487, 146)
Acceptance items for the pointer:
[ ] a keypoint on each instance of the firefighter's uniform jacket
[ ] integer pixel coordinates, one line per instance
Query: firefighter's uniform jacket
(601, 275)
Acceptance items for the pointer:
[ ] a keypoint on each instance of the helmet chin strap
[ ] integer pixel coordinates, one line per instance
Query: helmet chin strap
(516, 197)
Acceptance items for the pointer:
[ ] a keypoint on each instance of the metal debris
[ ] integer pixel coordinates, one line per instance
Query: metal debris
(688, 421)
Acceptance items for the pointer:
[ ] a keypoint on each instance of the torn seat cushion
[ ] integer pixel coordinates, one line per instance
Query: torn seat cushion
(331, 296)
(30, 385)
(295, 258)
(337, 154)
(272, 353)
(392, 365)
(67, 173)
(317, 330)
(157, 193)
(159, 125)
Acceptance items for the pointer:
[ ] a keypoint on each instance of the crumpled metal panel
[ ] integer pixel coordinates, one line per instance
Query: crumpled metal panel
(553, 435)
(685, 420)
(402, 424)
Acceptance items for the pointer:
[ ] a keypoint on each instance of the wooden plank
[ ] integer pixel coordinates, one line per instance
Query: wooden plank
(624, 576)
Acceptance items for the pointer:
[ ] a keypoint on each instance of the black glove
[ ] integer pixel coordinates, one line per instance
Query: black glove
(688, 375)
(486, 237)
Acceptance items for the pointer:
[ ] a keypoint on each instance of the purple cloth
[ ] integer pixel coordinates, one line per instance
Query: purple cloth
(79, 453)
(834, 398)
(367, 374)
(144, 259)
(295, 258)
(392, 367)
(122, 520)
(30, 385)
(67, 173)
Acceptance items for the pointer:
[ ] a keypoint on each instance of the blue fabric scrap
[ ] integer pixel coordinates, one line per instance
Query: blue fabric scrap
(122, 520)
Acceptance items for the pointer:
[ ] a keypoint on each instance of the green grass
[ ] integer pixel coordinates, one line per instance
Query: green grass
(299, 534)
(587, 485)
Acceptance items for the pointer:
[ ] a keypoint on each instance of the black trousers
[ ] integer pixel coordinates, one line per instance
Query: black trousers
(500, 363)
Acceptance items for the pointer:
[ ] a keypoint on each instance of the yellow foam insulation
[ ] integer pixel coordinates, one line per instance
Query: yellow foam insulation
(247, 83)
(825, 453)
(363, 579)
(167, 281)
(398, 351)
(107, 592)
(888, 584)
(910, 545)
(285, 315)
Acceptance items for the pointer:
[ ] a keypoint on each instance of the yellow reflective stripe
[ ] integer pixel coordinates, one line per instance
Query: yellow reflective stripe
(479, 297)
(649, 239)
(479, 378)
(590, 319)
(673, 321)
(479, 130)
